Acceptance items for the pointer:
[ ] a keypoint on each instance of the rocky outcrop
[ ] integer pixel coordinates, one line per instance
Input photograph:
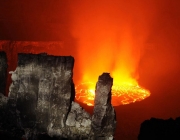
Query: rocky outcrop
(41, 103)
(103, 119)
(42, 91)
(12, 48)
(159, 129)
(78, 122)
(3, 72)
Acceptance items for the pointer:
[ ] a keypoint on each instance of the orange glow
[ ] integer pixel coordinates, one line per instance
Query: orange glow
(121, 94)
(109, 39)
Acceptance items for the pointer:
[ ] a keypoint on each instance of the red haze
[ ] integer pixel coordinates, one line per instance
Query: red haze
(97, 32)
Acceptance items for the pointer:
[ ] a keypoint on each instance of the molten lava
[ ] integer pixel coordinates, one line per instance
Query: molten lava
(121, 94)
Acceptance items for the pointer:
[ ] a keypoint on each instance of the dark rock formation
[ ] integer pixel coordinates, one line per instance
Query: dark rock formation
(3, 72)
(12, 48)
(40, 103)
(159, 129)
(9, 120)
(103, 119)
(78, 122)
(42, 90)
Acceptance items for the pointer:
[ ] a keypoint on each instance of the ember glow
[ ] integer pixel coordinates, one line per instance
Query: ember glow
(110, 38)
(121, 94)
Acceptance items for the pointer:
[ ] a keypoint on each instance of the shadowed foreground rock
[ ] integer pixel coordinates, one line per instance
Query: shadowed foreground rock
(159, 129)
(3, 72)
(41, 93)
(103, 119)
(40, 103)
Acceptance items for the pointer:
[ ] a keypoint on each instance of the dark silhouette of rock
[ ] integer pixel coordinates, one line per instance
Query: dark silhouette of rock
(40, 105)
(159, 129)
(3, 72)
(103, 119)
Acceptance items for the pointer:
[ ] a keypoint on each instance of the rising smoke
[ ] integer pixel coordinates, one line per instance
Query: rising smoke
(139, 38)
(111, 36)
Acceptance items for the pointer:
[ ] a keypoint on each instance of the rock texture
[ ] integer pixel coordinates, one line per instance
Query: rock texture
(159, 129)
(12, 48)
(78, 122)
(40, 103)
(42, 91)
(104, 118)
(3, 71)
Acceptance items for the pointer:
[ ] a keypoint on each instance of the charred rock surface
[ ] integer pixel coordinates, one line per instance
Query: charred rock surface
(78, 122)
(42, 90)
(104, 118)
(12, 48)
(3, 72)
(159, 129)
(40, 103)
(9, 120)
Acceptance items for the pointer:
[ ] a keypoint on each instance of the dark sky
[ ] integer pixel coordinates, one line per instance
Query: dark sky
(154, 26)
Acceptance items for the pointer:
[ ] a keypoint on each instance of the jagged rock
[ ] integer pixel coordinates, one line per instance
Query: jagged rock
(9, 128)
(3, 110)
(104, 118)
(3, 72)
(78, 122)
(42, 90)
(3, 101)
(8, 125)
(40, 103)
(159, 129)
(12, 48)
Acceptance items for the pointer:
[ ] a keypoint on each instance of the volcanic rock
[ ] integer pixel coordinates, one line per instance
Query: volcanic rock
(12, 48)
(159, 129)
(78, 122)
(41, 103)
(104, 118)
(42, 88)
(3, 72)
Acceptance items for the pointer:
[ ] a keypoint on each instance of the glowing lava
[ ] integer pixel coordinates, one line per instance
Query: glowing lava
(121, 94)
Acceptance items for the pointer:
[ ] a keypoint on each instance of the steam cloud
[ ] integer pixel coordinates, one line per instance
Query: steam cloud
(128, 38)
(111, 35)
